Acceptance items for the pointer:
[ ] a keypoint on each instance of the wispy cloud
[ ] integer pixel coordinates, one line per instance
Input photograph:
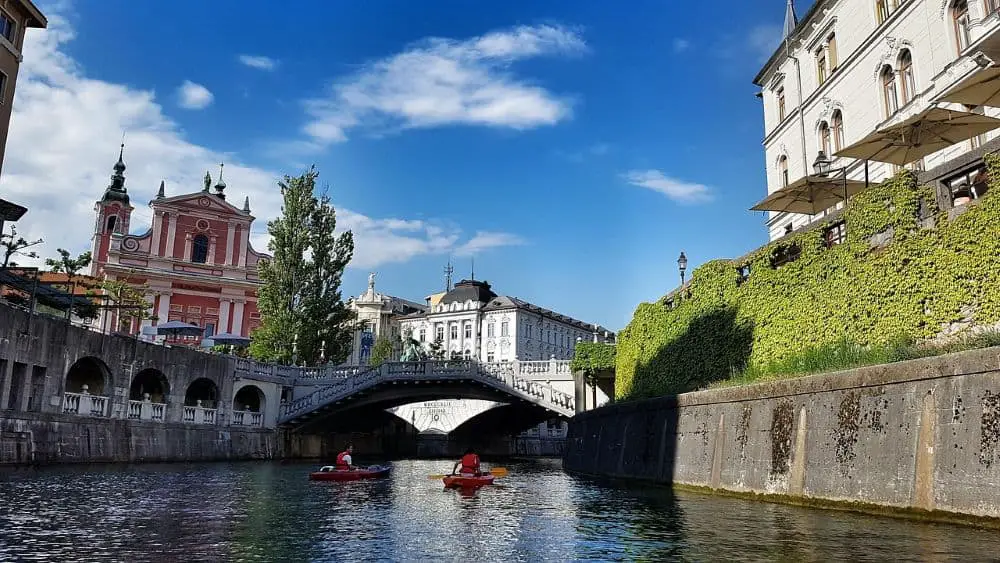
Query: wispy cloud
(597, 149)
(193, 96)
(439, 82)
(258, 62)
(485, 240)
(677, 190)
(78, 155)
(681, 45)
(763, 40)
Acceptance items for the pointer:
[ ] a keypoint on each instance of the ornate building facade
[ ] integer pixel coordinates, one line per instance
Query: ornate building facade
(196, 258)
(378, 315)
(471, 321)
(851, 67)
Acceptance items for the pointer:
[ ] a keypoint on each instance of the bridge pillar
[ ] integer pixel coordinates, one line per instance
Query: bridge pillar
(580, 390)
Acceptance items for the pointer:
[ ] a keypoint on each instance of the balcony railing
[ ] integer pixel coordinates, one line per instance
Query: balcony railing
(199, 415)
(146, 410)
(248, 418)
(85, 404)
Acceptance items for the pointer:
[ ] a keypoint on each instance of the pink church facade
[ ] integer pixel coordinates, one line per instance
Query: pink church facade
(195, 259)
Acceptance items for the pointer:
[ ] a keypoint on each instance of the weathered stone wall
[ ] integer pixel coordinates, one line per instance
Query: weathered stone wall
(922, 435)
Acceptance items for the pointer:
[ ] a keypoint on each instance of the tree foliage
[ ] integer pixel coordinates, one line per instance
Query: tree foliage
(128, 299)
(935, 275)
(381, 352)
(593, 357)
(300, 299)
(13, 245)
(68, 265)
(436, 349)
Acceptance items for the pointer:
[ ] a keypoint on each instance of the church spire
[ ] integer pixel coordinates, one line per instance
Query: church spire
(246, 205)
(448, 271)
(116, 190)
(790, 20)
(221, 184)
(162, 191)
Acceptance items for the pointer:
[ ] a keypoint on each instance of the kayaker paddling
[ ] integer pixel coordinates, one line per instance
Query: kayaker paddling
(344, 461)
(468, 465)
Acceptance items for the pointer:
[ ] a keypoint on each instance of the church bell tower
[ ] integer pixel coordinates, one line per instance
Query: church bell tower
(113, 215)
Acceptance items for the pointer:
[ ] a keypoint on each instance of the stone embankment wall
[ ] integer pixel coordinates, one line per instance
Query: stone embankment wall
(920, 437)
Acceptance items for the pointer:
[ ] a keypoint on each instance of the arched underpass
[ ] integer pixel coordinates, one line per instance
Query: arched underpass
(365, 421)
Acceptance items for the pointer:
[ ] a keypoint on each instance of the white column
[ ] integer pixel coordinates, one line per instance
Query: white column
(187, 247)
(230, 240)
(157, 227)
(147, 322)
(244, 241)
(171, 235)
(237, 317)
(163, 312)
(224, 315)
(210, 259)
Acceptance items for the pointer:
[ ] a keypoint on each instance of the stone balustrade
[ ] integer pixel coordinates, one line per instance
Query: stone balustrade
(85, 404)
(146, 410)
(199, 415)
(247, 418)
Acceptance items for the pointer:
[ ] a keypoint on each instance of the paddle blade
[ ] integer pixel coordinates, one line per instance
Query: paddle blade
(499, 471)
(437, 476)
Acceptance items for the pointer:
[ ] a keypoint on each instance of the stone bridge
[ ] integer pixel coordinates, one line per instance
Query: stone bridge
(321, 391)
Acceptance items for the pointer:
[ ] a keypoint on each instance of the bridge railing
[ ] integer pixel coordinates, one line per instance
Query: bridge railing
(533, 369)
(505, 375)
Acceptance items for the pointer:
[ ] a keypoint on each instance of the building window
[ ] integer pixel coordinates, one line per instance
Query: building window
(423, 335)
(491, 330)
(468, 331)
(489, 357)
(781, 104)
(883, 8)
(3, 88)
(991, 7)
(889, 97)
(783, 170)
(112, 223)
(968, 186)
(906, 76)
(742, 274)
(209, 329)
(199, 249)
(835, 234)
(960, 14)
(821, 65)
(785, 254)
(824, 138)
(453, 331)
(831, 52)
(439, 331)
(467, 355)
(7, 27)
(505, 329)
(837, 127)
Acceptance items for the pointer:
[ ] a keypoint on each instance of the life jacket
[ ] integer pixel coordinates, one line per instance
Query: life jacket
(341, 462)
(470, 463)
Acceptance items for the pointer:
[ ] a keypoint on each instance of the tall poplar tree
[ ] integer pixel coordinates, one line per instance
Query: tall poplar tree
(300, 300)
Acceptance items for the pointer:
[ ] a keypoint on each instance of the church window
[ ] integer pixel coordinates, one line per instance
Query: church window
(199, 249)
(112, 223)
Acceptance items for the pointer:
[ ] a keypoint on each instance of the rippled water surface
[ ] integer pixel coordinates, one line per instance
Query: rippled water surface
(270, 512)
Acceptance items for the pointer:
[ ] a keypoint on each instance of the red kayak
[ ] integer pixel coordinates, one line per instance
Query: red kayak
(467, 481)
(330, 473)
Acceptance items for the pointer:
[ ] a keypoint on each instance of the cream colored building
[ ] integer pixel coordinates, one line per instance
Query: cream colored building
(850, 67)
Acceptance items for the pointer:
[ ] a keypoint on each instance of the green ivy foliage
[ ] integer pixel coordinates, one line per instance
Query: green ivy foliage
(933, 272)
(593, 357)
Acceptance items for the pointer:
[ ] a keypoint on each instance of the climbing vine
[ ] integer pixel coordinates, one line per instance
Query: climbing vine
(904, 272)
(593, 357)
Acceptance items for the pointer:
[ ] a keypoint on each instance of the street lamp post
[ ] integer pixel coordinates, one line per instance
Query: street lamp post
(821, 167)
(682, 264)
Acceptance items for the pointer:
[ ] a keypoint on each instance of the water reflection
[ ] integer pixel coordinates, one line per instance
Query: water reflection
(270, 512)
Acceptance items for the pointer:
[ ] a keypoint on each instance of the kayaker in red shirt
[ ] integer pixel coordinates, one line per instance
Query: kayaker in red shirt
(469, 464)
(344, 462)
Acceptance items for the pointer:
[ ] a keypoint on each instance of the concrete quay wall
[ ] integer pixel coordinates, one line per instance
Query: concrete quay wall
(918, 437)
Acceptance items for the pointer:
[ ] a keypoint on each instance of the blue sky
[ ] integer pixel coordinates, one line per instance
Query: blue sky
(572, 148)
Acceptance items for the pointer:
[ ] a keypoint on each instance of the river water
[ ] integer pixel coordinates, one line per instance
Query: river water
(271, 512)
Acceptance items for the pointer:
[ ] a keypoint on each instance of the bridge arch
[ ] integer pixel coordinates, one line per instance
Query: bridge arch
(250, 398)
(89, 371)
(152, 381)
(202, 389)
(511, 419)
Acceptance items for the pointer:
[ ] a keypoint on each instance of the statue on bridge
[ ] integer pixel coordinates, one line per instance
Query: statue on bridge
(412, 350)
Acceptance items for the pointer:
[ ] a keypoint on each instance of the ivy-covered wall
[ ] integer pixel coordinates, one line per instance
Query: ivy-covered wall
(593, 357)
(933, 272)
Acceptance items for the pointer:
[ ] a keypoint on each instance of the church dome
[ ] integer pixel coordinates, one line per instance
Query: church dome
(469, 290)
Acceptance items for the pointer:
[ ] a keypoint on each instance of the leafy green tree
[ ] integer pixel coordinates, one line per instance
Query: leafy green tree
(381, 352)
(437, 349)
(129, 300)
(68, 265)
(300, 299)
(13, 245)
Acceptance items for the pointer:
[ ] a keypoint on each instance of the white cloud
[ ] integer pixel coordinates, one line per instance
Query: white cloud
(443, 82)
(682, 192)
(59, 172)
(258, 62)
(193, 96)
(485, 240)
(681, 45)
